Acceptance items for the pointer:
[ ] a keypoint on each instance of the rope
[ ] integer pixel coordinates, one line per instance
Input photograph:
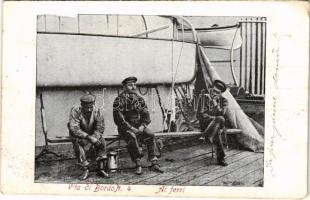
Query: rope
(232, 57)
(177, 67)
(187, 121)
(145, 25)
(176, 71)
(160, 103)
(195, 38)
(172, 87)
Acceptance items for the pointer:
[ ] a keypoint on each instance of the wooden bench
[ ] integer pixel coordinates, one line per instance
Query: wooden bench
(199, 133)
(68, 139)
(195, 133)
(114, 138)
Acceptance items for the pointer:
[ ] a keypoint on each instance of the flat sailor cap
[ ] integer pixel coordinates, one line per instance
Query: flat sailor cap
(220, 85)
(129, 79)
(87, 98)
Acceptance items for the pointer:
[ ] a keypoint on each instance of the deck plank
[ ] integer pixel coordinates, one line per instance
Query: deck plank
(234, 178)
(125, 176)
(179, 156)
(213, 174)
(172, 169)
(186, 165)
(254, 177)
(177, 171)
(190, 173)
(259, 183)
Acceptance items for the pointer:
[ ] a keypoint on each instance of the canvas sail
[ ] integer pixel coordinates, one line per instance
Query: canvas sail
(250, 137)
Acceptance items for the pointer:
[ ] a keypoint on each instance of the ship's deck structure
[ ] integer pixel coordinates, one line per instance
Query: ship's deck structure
(183, 164)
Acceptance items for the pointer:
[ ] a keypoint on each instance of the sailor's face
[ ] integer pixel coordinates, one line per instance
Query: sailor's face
(131, 86)
(88, 108)
(215, 92)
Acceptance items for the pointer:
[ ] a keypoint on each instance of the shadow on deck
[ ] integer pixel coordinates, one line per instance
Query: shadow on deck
(187, 166)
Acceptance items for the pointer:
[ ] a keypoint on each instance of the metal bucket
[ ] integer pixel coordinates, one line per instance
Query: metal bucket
(112, 161)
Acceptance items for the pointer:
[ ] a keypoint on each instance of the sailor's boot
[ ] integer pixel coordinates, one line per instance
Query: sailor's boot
(101, 168)
(222, 162)
(156, 167)
(138, 167)
(85, 174)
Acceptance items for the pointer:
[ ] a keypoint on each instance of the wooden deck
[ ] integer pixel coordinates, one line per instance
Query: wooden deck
(183, 166)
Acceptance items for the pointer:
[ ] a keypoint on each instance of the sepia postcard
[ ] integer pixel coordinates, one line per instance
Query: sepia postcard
(157, 99)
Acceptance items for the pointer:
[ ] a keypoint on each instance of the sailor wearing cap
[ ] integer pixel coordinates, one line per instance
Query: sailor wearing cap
(132, 118)
(211, 115)
(86, 125)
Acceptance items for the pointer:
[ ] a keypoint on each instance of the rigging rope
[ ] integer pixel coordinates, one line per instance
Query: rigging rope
(174, 75)
(145, 25)
(160, 103)
(232, 57)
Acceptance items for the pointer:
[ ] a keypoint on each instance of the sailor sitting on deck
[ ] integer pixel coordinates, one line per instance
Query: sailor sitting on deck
(131, 116)
(211, 115)
(86, 125)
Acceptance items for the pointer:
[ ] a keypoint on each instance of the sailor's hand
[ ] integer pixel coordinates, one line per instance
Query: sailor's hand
(135, 130)
(93, 140)
(141, 128)
(218, 109)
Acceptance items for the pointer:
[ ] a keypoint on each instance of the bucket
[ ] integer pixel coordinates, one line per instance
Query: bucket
(112, 161)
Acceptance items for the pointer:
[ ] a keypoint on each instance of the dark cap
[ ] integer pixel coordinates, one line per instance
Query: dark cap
(129, 79)
(88, 98)
(220, 85)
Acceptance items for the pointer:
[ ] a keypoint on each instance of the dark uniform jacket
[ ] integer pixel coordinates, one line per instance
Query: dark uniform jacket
(206, 110)
(80, 127)
(130, 110)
